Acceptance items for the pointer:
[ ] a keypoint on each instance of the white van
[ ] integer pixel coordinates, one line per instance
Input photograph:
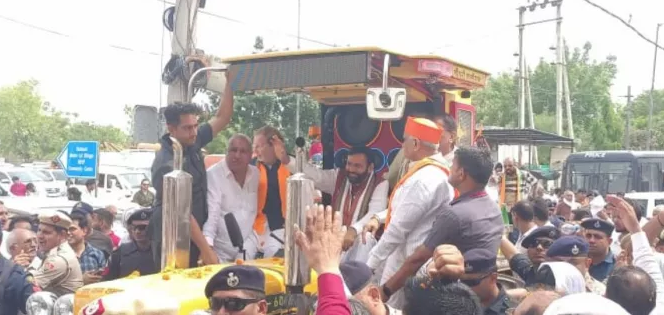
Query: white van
(647, 200)
(115, 183)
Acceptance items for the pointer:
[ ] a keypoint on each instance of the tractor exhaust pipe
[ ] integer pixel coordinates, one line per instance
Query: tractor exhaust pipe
(300, 195)
(175, 234)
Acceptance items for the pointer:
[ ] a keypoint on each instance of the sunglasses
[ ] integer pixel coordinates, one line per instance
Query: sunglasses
(475, 281)
(541, 242)
(230, 304)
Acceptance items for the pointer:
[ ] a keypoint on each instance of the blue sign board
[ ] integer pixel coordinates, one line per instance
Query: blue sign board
(80, 159)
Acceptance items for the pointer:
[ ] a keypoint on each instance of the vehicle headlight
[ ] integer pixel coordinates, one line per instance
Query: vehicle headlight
(199, 312)
(40, 303)
(64, 305)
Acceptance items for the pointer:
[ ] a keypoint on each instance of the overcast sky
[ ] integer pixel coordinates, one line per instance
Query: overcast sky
(80, 72)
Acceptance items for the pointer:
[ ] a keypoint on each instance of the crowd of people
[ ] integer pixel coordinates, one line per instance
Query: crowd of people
(423, 239)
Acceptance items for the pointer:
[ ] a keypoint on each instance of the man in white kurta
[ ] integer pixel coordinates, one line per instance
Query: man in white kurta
(414, 204)
(232, 188)
(356, 192)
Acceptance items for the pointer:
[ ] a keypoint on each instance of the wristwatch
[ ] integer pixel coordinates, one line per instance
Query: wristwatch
(386, 291)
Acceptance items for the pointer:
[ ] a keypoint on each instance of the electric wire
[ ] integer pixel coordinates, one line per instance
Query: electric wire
(624, 22)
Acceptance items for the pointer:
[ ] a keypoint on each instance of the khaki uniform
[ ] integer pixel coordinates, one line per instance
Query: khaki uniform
(594, 286)
(60, 271)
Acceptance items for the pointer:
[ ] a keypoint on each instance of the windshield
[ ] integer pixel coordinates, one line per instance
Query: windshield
(59, 175)
(25, 176)
(46, 176)
(134, 179)
(607, 177)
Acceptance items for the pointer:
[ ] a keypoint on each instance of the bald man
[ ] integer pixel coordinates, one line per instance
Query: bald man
(536, 303)
(232, 188)
(514, 184)
(22, 247)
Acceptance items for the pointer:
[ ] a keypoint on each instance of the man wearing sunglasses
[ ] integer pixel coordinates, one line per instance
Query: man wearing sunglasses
(481, 275)
(137, 254)
(536, 244)
(237, 290)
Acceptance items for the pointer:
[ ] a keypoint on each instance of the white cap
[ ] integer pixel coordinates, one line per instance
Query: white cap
(584, 304)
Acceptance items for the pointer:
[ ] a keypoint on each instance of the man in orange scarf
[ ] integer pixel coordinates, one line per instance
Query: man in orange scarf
(414, 203)
(269, 225)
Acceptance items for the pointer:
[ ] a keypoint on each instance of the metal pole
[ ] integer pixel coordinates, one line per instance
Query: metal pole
(568, 99)
(297, 99)
(522, 83)
(628, 117)
(559, 70)
(533, 156)
(652, 90)
(182, 44)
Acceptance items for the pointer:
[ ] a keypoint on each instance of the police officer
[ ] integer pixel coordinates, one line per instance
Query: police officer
(481, 275)
(237, 290)
(536, 244)
(598, 234)
(137, 254)
(574, 250)
(60, 271)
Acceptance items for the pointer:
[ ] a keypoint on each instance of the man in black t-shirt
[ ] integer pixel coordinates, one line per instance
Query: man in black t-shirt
(182, 123)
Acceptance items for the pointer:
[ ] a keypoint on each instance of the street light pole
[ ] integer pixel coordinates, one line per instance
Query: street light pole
(297, 97)
(652, 89)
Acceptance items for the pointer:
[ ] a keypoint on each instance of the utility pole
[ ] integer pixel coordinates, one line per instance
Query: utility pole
(652, 90)
(182, 45)
(568, 99)
(297, 97)
(628, 117)
(522, 81)
(531, 115)
(559, 70)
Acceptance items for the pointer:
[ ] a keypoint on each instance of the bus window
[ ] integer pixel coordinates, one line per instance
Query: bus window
(615, 176)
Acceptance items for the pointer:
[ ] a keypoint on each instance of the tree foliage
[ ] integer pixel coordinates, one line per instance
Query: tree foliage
(253, 110)
(597, 120)
(31, 129)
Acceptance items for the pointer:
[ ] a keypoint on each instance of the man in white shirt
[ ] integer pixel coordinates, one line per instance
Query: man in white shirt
(232, 188)
(414, 204)
(523, 216)
(356, 192)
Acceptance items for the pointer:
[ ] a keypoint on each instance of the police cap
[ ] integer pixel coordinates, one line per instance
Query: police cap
(599, 225)
(236, 277)
(546, 231)
(356, 274)
(568, 246)
(55, 218)
(140, 214)
(479, 260)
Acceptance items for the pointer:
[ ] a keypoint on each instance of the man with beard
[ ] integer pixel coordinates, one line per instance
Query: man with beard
(514, 184)
(598, 234)
(620, 229)
(356, 192)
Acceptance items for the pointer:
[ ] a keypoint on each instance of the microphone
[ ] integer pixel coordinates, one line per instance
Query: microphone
(234, 233)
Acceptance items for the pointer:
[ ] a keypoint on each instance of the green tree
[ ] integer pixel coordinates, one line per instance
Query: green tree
(253, 110)
(640, 114)
(597, 120)
(31, 129)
